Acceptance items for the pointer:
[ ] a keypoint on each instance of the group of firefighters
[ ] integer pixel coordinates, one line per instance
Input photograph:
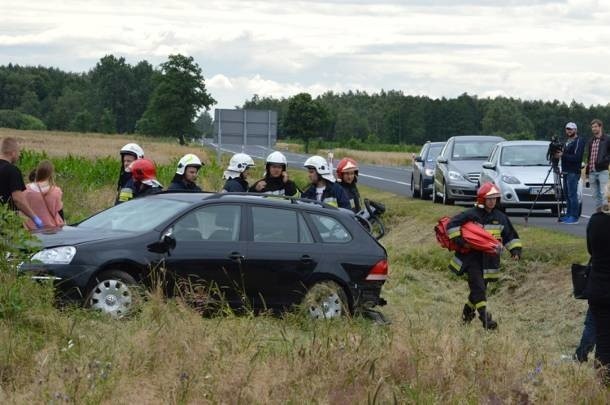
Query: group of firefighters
(138, 177)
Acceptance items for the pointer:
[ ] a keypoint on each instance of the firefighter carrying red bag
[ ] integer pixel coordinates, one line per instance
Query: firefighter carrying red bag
(477, 236)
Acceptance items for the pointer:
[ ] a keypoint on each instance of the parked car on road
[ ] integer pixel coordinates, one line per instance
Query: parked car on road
(258, 251)
(524, 176)
(423, 169)
(458, 167)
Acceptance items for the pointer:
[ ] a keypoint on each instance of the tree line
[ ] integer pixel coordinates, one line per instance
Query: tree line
(113, 97)
(392, 117)
(172, 100)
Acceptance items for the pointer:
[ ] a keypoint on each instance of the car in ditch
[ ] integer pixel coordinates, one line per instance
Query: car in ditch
(245, 250)
(525, 176)
(422, 170)
(458, 167)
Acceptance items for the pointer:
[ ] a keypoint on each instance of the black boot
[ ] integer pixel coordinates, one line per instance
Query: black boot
(486, 320)
(468, 313)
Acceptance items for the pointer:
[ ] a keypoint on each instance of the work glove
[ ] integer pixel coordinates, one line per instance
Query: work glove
(499, 249)
(38, 222)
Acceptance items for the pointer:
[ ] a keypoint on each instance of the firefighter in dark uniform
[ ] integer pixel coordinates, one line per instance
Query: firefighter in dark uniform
(347, 177)
(144, 178)
(276, 179)
(478, 266)
(237, 174)
(322, 184)
(186, 174)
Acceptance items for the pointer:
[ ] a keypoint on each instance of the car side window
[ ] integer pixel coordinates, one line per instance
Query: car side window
(279, 225)
(330, 229)
(210, 223)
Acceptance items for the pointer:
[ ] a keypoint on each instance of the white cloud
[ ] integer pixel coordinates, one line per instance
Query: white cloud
(554, 49)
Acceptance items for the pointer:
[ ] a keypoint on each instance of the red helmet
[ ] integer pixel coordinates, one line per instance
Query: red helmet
(346, 165)
(143, 169)
(487, 190)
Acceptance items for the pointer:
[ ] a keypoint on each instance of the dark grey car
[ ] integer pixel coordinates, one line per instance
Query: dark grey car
(459, 165)
(422, 174)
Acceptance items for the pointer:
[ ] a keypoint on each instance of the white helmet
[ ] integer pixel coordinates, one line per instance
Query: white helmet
(132, 149)
(240, 162)
(188, 160)
(322, 167)
(277, 158)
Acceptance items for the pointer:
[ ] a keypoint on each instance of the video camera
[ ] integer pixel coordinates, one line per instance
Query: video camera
(554, 147)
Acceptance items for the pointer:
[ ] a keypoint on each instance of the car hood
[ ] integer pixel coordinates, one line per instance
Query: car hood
(466, 166)
(528, 174)
(71, 235)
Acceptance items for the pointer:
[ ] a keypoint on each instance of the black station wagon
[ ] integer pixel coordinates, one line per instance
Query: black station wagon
(266, 252)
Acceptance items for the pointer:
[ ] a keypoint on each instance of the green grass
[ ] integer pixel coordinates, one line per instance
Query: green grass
(167, 353)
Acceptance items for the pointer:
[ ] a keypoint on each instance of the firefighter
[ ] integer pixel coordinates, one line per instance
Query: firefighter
(237, 173)
(323, 187)
(186, 174)
(480, 267)
(144, 177)
(276, 179)
(347, 177)
(129, 153)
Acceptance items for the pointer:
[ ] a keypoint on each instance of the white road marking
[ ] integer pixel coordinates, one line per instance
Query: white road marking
(381, 178)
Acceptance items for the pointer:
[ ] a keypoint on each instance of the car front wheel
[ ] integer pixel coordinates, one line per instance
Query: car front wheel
(112, 293)
(325, 300)
(414, 193)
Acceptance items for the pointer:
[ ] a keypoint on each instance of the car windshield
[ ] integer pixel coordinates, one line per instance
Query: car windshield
(434, 152)
(472, 150)
(524, 155)
(138, 215)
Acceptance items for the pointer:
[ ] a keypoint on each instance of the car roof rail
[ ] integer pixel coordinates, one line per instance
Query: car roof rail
(293, 200)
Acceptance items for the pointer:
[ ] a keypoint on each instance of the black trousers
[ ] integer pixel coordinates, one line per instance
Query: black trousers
(473, 264)
(601, 317)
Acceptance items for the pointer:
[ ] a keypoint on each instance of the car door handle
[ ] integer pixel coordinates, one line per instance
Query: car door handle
(306, 259)
(236, 256)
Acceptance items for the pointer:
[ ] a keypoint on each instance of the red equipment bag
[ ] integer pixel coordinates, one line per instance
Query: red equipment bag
(472, 233)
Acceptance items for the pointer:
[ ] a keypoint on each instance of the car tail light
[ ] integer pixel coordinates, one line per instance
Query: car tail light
(379, 271)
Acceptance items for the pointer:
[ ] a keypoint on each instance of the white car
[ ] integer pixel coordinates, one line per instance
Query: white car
(525, 177)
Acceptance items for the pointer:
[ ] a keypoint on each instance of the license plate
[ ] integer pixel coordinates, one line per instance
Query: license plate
(547, 190)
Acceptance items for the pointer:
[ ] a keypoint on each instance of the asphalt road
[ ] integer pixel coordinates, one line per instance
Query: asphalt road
(397, 180)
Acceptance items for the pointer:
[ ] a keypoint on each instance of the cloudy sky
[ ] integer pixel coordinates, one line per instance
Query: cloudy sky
(531, 49)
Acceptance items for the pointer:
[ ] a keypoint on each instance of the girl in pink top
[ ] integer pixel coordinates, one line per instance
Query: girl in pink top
(45, 197)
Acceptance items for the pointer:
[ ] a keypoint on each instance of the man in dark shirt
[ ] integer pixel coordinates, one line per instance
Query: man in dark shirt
(11, 181)
(571, 159)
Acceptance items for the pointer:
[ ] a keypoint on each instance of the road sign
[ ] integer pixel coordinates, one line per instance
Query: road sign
(245, 127)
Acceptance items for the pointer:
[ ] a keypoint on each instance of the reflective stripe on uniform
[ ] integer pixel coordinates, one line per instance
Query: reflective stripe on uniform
(331, 201)
(470, 304)
(125, 194)
(453, 232)
(494, 230)
(515, 243)
(480, 304)
(455, 265)
(491, 274)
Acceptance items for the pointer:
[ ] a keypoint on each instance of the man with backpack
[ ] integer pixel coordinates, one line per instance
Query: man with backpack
(481, 266)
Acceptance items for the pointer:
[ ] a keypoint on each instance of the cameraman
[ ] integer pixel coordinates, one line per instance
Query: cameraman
(571, 160)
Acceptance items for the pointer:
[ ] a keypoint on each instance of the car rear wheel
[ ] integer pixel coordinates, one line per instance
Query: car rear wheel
(112, 293)
(435, 197)
(325, 300)
(415, 193)
(446, 199)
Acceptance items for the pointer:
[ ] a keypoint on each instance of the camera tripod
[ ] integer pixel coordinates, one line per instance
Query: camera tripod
(556, 187)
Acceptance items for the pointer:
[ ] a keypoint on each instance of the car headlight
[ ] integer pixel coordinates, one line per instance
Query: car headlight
(429, 172)
(455, 176)
(510, 179)
(58, 255)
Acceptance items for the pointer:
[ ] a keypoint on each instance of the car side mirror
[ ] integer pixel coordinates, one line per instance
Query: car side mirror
(419, 159)
(489, 165)
(166, 244)
(441, 159)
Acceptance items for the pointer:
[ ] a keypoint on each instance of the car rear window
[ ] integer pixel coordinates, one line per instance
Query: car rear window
(330, 229)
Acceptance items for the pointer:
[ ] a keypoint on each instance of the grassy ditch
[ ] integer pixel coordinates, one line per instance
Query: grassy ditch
(168, 353)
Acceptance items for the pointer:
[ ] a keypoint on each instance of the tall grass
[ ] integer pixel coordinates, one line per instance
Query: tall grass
(168, 353)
